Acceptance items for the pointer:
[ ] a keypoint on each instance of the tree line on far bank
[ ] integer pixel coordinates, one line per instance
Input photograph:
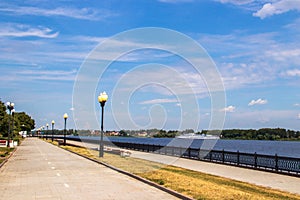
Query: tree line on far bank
(241, 134)
(21, 122)
(261, 134)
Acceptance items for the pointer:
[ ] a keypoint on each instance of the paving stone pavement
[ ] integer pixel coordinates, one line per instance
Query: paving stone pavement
(39, 170)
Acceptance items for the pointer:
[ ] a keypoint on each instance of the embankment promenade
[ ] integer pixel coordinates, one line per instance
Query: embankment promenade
(39, 170)
(267, 179)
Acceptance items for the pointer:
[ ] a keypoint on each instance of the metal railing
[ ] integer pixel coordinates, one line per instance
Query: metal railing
(257, 161)
(273, 163)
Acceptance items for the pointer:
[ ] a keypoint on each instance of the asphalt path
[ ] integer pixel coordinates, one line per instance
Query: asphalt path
(39, 170)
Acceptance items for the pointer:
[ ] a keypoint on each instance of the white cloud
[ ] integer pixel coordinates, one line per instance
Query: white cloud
(46, 75)
(249, 5)
(158, 101)
(297, 104)
(96, 40)
(257, 102)
(67, 51)
(166, 81)
(276, 8)
(294, 25)
(265, 8)
(229, 109)
(23, 30)
(293, 72)
(113, 52)
(237, 2)
(247, 58)
(263, 118)
(83, 13)
(299, 116)
(283, 54)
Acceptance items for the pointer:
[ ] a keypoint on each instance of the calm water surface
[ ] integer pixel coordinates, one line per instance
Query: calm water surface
(282, 148)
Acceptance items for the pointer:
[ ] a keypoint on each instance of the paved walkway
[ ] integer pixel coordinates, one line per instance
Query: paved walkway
(39, 170)
(266, 179)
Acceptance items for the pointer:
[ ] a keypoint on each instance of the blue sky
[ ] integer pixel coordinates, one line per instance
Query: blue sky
(255, 46)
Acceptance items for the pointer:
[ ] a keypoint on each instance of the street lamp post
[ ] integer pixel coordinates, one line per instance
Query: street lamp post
(10, 107)
(65, 130)
(13, 124)
(52, 128)
(102, 98)
(47, 125)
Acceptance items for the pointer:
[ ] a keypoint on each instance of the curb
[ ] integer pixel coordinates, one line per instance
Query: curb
(169, 191)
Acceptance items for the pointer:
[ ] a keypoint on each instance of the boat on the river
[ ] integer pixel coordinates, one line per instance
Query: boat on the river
(198, 136)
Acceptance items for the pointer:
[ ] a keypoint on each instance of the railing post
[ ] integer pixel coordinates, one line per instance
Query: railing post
(223, 156)
(276, 162)
(238, 157)
(210, 156)
(144, 147)
(173, 151)
(255, 160)
(189, 150)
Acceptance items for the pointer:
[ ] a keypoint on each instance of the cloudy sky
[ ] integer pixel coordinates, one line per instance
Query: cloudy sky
(254, 44)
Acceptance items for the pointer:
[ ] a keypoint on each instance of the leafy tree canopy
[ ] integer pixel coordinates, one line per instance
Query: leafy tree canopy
(20, 121)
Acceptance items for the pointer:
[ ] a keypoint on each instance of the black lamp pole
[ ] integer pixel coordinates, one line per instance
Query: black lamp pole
(65, 130)
(102, 98)
(10, 107)
(8, 134)
(13, 123)
(52, 128)
(101, 139)
(47, 125)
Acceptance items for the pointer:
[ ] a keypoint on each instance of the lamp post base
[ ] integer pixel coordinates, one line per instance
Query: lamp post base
(101, 149)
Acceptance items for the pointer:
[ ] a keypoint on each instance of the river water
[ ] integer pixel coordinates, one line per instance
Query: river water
(281, 148)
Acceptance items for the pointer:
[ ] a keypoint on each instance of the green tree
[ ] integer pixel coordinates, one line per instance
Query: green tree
(21, 121)
(24, 122)
(123, 133)
(3, 119)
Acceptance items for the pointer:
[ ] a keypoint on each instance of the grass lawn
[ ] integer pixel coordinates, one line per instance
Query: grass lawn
(190, 183)
(4, 152)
